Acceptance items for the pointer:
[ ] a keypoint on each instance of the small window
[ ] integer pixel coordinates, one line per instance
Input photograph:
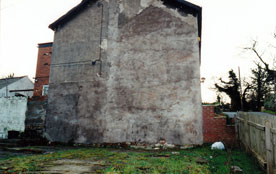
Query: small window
(47, 54)
(45, 90)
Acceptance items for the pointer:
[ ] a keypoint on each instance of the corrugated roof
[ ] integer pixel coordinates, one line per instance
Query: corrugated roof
(7, 81)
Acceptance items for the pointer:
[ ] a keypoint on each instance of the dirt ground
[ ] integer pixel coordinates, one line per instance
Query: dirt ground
(67, 166)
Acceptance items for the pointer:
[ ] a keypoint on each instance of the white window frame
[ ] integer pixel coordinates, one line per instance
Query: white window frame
(45, 90)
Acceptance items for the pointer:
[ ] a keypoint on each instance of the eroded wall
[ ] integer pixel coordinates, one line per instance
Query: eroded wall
(12, 115)
(35, 118)
(147, 87)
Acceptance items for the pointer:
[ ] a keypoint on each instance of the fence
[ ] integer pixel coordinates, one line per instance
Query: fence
(257, 132)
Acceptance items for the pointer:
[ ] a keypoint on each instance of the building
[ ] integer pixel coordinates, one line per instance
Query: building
(126, 71)
(16, 86)
(43, 69)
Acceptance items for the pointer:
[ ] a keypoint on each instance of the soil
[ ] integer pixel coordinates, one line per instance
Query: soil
(74, 167)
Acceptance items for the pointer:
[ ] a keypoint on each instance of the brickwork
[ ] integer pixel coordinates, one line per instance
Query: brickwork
(215, 128)
(42, 68)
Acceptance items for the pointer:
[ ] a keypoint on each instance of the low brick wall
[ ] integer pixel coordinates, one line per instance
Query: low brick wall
(215, 128)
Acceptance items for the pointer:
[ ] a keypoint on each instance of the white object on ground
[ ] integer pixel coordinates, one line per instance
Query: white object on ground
(218, 145)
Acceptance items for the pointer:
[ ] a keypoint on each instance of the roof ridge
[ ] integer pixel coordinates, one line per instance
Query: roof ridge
(83, 4)
(19, 77)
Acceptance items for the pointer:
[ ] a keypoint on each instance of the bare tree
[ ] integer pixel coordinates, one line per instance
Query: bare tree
(268, 69)
(271, 72)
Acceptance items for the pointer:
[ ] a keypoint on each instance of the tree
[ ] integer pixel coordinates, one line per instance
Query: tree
(270, 78)
(10, 75)
(254, 93)
(261, 86)
(268, 69)
(232, 89)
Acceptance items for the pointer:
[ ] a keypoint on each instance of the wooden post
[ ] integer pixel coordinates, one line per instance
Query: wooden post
(237, 130)
(246, 134)
(240, 89)
(274, 91)
(269, 157)
(236, 127)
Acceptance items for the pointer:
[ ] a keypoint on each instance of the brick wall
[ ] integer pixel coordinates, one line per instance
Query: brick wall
(42, 68)
(215, 128)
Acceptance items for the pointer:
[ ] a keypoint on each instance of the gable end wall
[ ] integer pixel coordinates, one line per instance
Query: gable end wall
(149, 88)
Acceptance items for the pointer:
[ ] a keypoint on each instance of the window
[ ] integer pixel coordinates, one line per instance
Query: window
(45, 90)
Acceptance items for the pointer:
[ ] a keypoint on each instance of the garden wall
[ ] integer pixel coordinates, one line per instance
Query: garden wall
(215, 127)
(12, 115)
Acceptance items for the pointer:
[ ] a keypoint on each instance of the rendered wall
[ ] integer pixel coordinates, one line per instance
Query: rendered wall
(150, 83)
(12, 115)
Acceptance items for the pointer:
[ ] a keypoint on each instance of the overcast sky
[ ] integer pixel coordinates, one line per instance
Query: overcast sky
(228, 26)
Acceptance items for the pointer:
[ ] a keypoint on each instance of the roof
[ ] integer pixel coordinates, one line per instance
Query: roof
(179, 4)
(45, 45)
(7, 81)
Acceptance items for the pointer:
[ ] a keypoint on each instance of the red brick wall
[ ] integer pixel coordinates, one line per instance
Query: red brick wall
(42, 68)
(215, 128)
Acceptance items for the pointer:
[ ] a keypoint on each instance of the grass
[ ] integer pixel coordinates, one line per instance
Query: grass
(115, 161)
(269, 112)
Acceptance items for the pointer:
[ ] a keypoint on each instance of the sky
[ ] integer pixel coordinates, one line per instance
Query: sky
(228, 27)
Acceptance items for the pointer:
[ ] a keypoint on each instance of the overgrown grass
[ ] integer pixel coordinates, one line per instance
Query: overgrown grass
(133, 161)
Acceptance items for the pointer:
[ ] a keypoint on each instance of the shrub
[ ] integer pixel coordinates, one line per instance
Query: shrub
(269, 103)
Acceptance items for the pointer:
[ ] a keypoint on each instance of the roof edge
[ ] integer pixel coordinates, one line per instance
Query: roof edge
(46, 44)
(195, 9)
(70, 14)
(20, 77)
